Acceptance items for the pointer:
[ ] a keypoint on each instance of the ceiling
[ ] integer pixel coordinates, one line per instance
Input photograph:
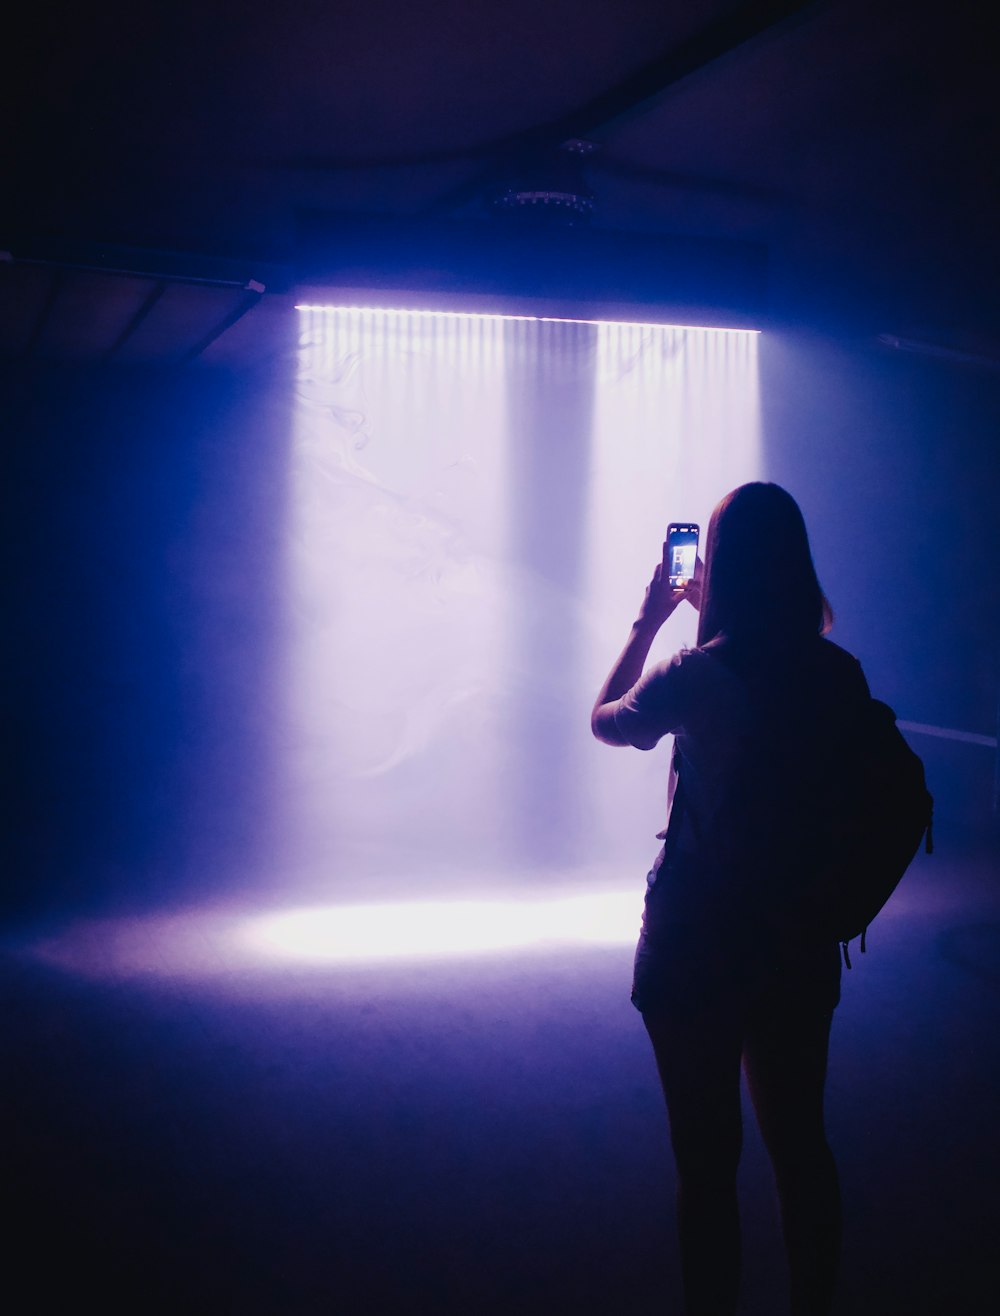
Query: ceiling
(159, 158)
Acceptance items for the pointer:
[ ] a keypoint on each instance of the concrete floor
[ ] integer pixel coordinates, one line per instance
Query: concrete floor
(477, 1136)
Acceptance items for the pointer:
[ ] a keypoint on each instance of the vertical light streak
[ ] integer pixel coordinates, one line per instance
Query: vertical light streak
(398, 515)
(676, 425)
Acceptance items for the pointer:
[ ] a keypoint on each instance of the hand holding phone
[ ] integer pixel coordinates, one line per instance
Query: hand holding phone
(677, 576)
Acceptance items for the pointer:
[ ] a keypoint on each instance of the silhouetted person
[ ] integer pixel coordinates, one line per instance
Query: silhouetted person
(731, 966)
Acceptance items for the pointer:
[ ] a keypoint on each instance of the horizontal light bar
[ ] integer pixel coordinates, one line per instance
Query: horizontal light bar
(358, 934)
(539, 319)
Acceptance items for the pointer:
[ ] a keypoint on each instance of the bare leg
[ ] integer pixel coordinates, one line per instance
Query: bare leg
(699, 1063)
(785, 1055)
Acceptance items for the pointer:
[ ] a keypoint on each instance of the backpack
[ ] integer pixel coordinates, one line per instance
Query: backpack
(882, 811)
(854, 810)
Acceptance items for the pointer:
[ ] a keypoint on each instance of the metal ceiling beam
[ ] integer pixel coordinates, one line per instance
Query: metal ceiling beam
(56, 285)
(148, 302)
(251, 295)
(720, 37)
(144, 263)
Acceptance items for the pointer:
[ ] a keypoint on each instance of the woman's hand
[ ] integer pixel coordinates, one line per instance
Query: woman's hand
(662, 598)
(693, 591)
(660, 601)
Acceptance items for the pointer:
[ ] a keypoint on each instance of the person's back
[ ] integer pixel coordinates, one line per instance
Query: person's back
(758, 732)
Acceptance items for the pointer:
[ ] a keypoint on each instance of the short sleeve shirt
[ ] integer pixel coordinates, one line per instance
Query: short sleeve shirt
(737, 735)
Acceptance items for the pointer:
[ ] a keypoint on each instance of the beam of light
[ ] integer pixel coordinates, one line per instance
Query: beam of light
(241, 944)
(357, 934)
(396, 566)
(676, 426)
(949, 733)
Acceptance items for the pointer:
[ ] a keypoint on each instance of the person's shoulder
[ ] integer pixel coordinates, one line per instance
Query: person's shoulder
(834, 655)
(715, 656)
(702, 667)
(840, 665)
(694, 660)
(669, 672)
(832, 651)
(688, 671)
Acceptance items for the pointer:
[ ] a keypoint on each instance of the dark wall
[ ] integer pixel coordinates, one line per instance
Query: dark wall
(894, 459)
(144, 515)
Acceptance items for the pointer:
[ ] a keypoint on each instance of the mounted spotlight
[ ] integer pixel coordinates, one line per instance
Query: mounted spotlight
(550, 191)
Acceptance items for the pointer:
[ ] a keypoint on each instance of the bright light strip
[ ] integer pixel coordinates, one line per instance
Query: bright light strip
(239, 945)
(358, 934)
(538, 319)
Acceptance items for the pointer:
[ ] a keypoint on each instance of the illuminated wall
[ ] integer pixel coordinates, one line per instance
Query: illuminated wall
(477, 503)
(209, 573)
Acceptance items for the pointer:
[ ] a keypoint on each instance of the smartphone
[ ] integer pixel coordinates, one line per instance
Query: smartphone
(682, 551)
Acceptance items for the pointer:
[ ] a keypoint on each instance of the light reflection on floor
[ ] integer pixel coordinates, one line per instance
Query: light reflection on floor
(363, 933)
(212, 942)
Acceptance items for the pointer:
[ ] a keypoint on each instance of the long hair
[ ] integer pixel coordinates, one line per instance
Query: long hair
(760, 585)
